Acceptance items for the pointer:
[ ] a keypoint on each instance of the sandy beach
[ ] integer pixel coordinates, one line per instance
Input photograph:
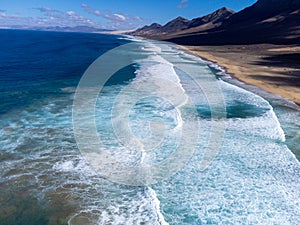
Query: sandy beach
(274, 68)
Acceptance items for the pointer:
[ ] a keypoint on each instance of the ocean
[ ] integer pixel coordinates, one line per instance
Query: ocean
(181, 142)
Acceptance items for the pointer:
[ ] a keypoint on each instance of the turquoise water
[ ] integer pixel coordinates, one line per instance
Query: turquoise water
(44, 179)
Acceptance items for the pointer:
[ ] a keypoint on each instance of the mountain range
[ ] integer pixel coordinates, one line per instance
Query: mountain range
(266, 21)
(84, 29)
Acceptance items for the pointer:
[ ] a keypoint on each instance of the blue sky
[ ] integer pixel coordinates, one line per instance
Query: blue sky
(110, 14)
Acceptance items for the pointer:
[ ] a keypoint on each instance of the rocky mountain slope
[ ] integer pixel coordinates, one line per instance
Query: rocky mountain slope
(266, 21)
(183, 25)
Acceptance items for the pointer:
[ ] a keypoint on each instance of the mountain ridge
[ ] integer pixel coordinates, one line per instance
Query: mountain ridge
(180, 24)
(258, 23)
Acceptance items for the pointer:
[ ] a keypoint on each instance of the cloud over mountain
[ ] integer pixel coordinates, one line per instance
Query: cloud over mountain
(182, 4)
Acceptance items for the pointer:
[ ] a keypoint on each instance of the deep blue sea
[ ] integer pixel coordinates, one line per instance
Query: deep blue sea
(246, 140)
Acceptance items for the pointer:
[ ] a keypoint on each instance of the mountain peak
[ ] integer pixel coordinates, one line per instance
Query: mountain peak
(264, 9)
(224, 9)
(155, 25)
(147, 29)
(176, 24)
(180, 18)
(266, 21)
(217, 16)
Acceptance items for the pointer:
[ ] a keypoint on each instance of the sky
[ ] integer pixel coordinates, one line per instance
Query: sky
(107, 14)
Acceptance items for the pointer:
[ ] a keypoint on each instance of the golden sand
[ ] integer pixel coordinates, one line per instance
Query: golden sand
(273, 68)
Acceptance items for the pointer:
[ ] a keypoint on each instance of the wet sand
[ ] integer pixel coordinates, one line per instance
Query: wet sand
(274, 68)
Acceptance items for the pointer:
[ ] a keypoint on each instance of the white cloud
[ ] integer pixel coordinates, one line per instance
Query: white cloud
(50, 17)
(2, 13)
(138, 18)
(97, 13)
(68, 18)
(117, 20)
(91, 10)
(182, 4)
(43, 9)
(119, 16)
(70, 13)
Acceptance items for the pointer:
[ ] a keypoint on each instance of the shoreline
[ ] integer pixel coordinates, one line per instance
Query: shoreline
(247, 65)
(284, 108)
(239, 72)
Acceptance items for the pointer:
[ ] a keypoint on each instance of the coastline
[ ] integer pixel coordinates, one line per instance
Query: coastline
(285, 107)
(272, 68)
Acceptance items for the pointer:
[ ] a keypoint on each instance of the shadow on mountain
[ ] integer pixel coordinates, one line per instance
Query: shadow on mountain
(273, 22)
